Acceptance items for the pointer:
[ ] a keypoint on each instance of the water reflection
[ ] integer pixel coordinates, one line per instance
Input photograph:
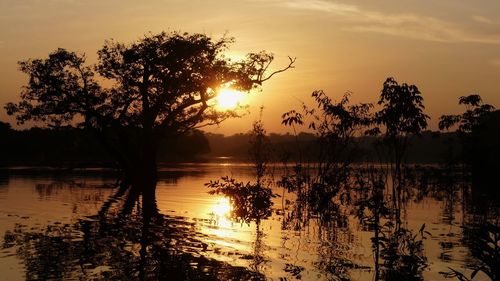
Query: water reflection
(121, 243)
(183, 233)
(221, 209)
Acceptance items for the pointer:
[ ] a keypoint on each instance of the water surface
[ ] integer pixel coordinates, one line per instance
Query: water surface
(46, 218)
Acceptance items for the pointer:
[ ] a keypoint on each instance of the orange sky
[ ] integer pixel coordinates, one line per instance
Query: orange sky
(448, 48)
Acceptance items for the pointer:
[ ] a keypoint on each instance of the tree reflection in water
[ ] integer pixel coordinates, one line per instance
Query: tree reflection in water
(481, 234)
(398, 252)
(127, 240)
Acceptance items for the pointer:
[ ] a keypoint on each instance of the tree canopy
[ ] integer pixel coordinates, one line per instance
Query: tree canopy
(475, 113)
(163, 81)
(402, 110)
(160, 85)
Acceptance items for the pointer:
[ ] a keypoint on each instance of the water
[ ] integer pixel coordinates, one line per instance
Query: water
(53, 228)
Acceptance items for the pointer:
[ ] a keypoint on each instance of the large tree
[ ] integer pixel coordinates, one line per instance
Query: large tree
(159, 86)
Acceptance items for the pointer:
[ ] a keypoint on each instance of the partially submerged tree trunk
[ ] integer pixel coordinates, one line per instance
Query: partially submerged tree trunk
(135, 158)
(147, 170)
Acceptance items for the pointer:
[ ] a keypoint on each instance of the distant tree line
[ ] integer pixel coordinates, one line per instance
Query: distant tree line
(430, 147)
(72, 147)
(78, 148)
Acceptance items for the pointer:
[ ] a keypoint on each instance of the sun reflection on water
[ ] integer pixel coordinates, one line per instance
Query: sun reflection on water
(230, 239)
(221, 218)
(222, 227)
(222, 207)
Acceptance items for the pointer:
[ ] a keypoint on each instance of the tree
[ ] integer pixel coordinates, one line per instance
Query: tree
(260, 148)
(478, 129)
(156, 87)
(475, 112)
(401, 115)
(335, 125)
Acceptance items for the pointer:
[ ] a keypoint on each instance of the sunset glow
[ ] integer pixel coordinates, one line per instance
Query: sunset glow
(363, 44)
(250, 140)
(228, 99)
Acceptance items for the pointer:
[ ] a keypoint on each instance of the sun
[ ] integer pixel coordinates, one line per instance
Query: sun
(229, 98)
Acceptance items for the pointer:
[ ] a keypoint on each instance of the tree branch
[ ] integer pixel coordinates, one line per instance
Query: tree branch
(290, 65)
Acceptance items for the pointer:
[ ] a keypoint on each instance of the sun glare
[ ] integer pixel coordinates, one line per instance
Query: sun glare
(229, 98)
(222, 208)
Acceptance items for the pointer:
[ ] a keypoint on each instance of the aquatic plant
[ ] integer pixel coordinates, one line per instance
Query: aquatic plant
(249, 201)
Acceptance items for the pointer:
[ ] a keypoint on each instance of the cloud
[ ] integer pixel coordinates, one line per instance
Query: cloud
(320, 5)
(404, 25)
(482, 19)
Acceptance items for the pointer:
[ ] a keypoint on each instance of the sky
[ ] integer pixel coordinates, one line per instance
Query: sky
(448, 48)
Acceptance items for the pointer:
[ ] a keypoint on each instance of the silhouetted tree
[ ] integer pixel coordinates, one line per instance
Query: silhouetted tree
(401, 116)
(475, 112)
(335, 125)
(159, 86)
(260, 150)
(478, 129)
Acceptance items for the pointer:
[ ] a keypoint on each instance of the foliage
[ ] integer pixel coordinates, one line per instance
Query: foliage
(475, 112)
(478, 131)
(402, 252)
(249, 202)
(370, 206)
(484, 243)
(164, 80)
(398, 253)
(402, 109)
(335, 125)
(161, 85)
(338, 119)
(401, 115)
(335, 120)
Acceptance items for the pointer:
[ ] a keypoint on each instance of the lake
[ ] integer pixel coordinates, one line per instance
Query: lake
(53, 226)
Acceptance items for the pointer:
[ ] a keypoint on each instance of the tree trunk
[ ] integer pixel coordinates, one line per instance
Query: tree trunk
(145, 170)
(143, 174)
